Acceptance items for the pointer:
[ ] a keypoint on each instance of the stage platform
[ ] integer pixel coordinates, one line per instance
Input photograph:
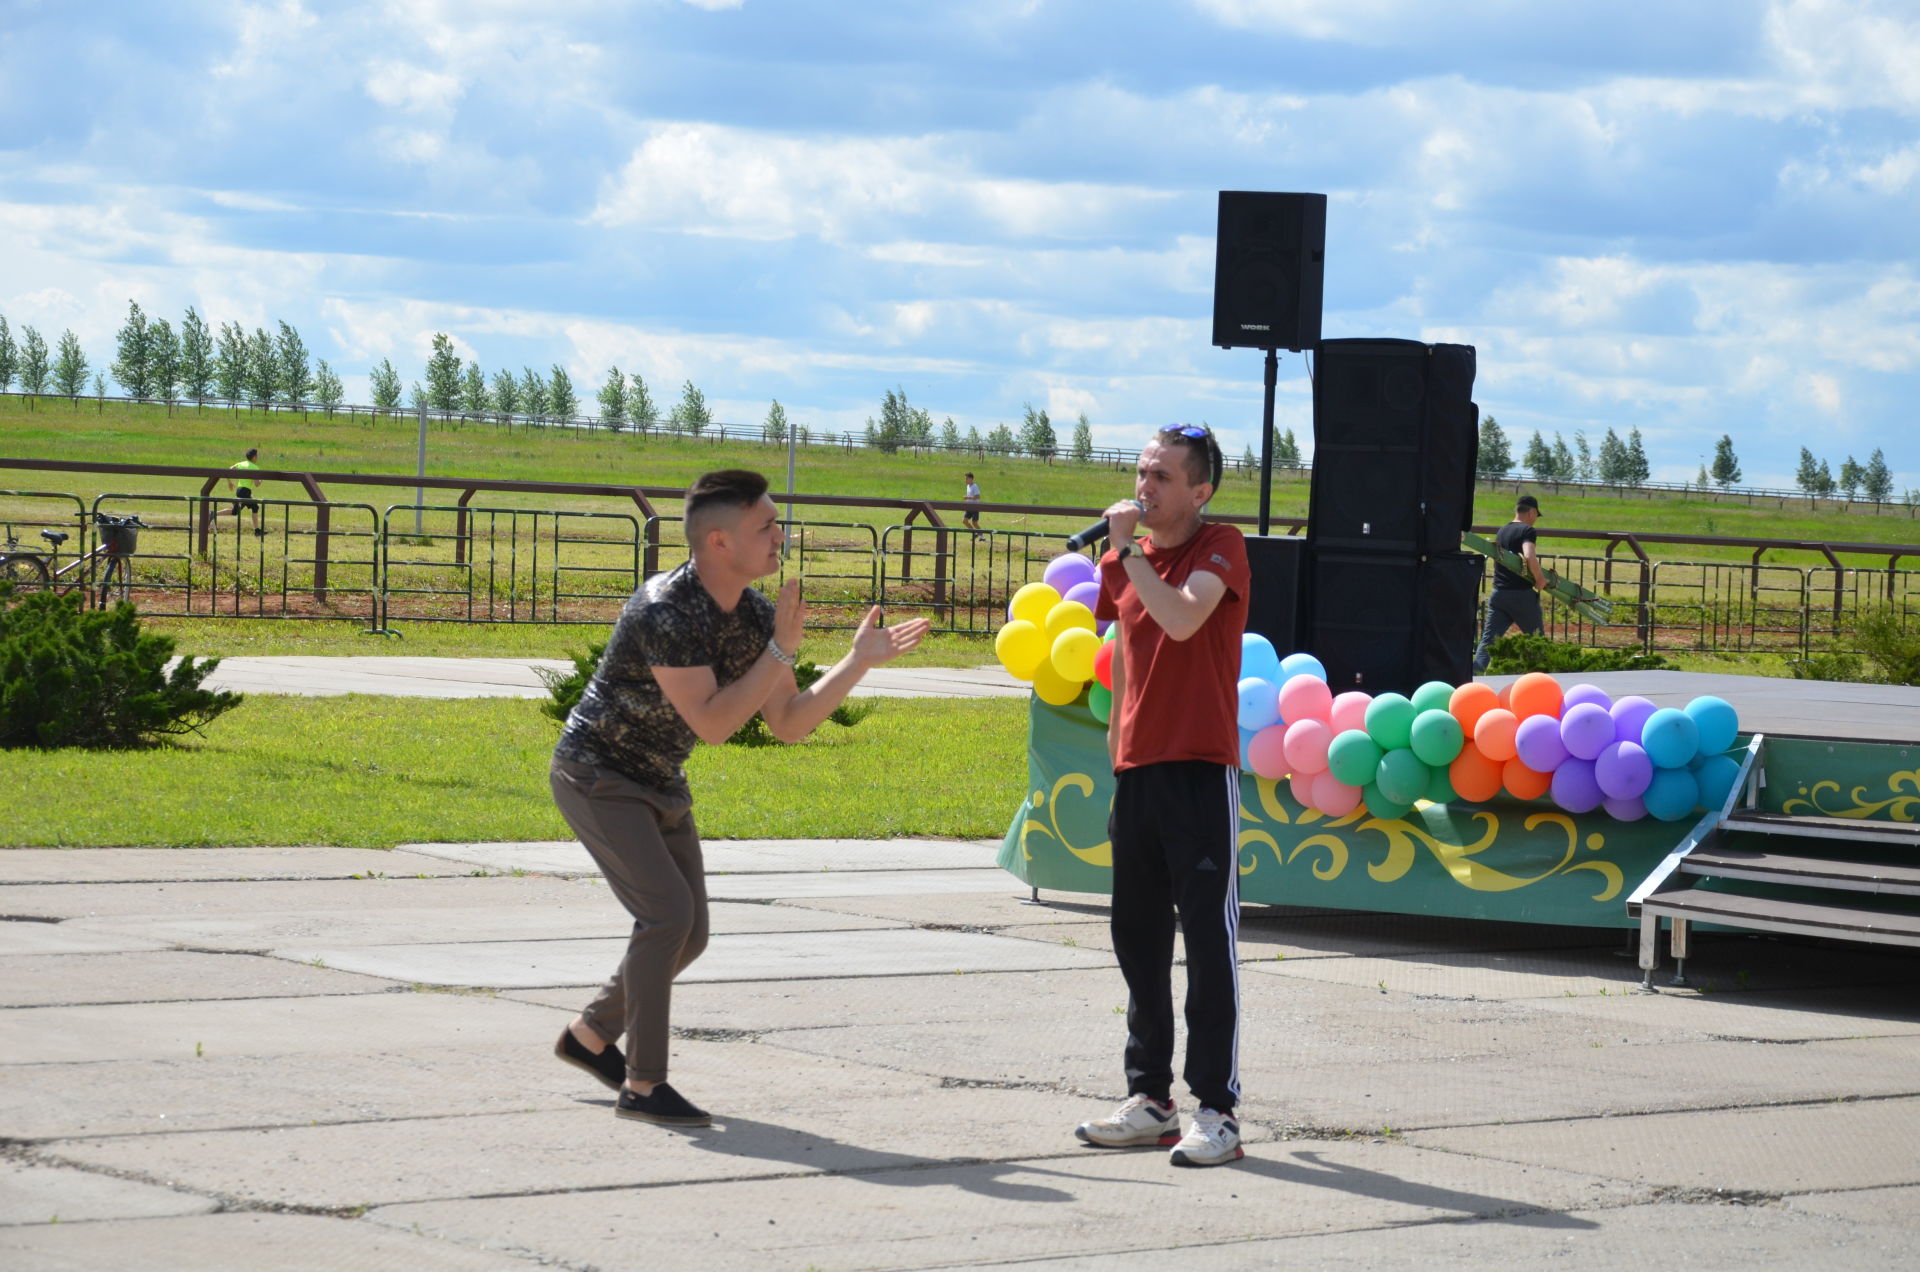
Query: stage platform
(1833, 750)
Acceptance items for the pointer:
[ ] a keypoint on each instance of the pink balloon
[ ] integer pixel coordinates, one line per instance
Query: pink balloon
(1333, 796)
(1349, 711)
(1305, 697)
(1267, 753)
(1306, 745)
(1300, 786)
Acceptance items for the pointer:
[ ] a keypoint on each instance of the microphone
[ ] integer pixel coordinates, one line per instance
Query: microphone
(1098, 530)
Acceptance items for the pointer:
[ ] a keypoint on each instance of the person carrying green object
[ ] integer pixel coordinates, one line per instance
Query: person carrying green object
(1515, 598)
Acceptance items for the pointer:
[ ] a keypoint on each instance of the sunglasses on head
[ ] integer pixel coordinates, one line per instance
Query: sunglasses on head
(1200, 433)
(1189, 430)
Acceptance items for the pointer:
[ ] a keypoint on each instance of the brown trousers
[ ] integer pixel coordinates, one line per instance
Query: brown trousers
(646, 846)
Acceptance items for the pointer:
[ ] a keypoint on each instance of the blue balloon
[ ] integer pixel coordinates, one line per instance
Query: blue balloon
(1301, 665)
(1670, 739)
(1717, 721)
(1259, 704)
(1716, 775)
(1257, 658)
(1672, 794)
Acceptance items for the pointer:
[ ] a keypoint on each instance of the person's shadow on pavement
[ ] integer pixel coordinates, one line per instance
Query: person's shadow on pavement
(1309, 1168)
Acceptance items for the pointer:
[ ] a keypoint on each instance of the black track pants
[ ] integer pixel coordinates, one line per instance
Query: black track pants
(1175, 830)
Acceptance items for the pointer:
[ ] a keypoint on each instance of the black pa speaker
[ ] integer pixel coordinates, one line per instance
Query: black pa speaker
(1269, 270)
(1276, 565)
(1385, 622)
(1395, 442)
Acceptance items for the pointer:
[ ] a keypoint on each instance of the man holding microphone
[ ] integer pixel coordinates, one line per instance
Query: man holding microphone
(1180, 597)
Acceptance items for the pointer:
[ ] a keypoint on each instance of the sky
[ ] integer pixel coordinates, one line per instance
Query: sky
(1691, 219)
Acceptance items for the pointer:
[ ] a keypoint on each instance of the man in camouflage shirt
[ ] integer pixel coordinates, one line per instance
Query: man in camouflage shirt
(695, 653)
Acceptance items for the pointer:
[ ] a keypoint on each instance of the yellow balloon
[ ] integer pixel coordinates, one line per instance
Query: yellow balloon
(1022, 648)
(1054, 689)
(1032, 602)
(1073, 652)
(1068, 616)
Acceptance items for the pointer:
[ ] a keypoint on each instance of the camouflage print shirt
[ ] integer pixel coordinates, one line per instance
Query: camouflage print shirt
(623, 721)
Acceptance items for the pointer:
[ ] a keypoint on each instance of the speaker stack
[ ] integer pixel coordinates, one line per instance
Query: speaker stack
(1389, 596)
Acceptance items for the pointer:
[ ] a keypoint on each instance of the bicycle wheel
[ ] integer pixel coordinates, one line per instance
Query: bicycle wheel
(24, 571)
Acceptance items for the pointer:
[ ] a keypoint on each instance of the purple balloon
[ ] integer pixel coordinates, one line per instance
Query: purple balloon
(1623, 770)
(1585, 730)
(1538, 743)
(1581, 694)
(1625, 809)
(1068, 570)
(1574, 787)
(1629, 717)
(1088, 593)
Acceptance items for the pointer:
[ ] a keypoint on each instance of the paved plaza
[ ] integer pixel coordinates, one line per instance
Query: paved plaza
(306, 1057)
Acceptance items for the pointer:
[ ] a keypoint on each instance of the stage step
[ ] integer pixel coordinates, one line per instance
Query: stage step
(1851, 829)
(1775, 914)
(1816, 872)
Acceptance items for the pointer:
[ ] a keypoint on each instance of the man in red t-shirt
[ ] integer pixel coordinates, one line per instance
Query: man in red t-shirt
(1180, 597)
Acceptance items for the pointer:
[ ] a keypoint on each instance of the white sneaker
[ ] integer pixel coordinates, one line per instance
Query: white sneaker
(1212, 1140)
(1140, 1122)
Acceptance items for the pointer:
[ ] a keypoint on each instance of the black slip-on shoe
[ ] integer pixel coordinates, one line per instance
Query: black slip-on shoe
(609, 1065)
(665, 1106)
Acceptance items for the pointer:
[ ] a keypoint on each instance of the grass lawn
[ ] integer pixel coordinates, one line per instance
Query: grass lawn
(372, 772)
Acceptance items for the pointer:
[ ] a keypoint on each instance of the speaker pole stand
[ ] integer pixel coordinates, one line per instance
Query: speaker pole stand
(1266, 442)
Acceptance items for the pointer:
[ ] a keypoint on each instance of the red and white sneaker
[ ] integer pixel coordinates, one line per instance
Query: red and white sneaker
(1212, 1140)
(1142, 1122)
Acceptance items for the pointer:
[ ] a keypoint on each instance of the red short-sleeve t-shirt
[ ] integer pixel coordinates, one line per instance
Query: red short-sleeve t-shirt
(1181, 698)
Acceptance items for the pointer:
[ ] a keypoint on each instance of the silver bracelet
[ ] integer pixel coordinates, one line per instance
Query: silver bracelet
(780, 655)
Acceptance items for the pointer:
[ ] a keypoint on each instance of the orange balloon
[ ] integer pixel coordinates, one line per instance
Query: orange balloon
(1494, 734)
(1535, 693)
(1471, 701)
(1475, 778)
(1506, 696)
(1522, 782)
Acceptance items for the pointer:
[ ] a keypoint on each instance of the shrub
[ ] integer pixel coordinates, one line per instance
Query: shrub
(565, 687)
(1520, 652)
(92, 678)
(1893, 648)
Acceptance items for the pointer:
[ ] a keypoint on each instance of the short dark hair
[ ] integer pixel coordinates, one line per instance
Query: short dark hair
(714, 493)
(253, 452)
(1203, 451)
(969, 476)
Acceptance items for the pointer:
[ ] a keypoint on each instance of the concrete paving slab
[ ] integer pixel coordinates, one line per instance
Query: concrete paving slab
(239, 1243)
(1821, 1147)
(31, 1193)
(318, 675)
(1655, 1235)
(178, 865)
(1769, 1016)
(772, 1115)
(263, 1027)
(1089, 1202)
(854, 883)
(1896, 1208)
(736, 856)
(989, 910)
(37, 936)
(277, 896)
(1594, 1080)
(40, 980)
(1483, 974)
(730, 956)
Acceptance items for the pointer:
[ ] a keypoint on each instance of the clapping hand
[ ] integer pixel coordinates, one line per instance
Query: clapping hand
(874, 644)
(789, 617)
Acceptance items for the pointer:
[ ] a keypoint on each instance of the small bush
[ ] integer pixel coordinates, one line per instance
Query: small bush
(92, 678)
(1511, 655)
(1835, 666)
(1893, 648)
(565, 687)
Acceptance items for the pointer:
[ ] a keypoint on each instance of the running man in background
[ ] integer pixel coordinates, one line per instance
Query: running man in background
(1180, 597)
(1514, 600)
(695, 653)
(971, 517)
(243, 493)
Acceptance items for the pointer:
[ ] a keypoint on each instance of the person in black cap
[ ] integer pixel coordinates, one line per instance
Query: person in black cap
(1515, 599)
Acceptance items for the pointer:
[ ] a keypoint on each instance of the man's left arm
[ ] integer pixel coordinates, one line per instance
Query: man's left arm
(792, 713)
(1180, 611)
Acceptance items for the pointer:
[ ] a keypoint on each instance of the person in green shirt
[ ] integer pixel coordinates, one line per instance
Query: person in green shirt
(243, 493)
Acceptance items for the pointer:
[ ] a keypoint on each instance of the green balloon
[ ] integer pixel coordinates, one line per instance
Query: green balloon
(1435, 694)
(1353, 758)
(1436, 737)
(1390, 720)
(1440, 787)
(1401, 776)
(1382, 807)
(1100, 701)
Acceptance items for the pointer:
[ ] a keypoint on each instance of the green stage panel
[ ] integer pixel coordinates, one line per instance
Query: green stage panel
(1823, 777)
(1520, 862)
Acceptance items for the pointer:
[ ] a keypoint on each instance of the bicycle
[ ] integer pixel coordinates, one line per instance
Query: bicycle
(29, 567)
